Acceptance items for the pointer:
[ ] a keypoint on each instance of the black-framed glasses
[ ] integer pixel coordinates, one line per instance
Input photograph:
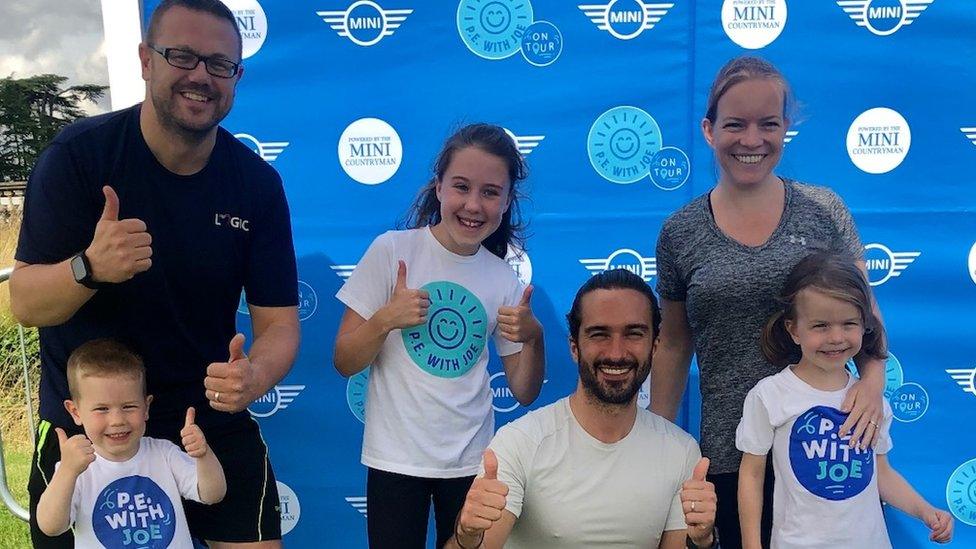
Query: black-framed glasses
(187, 60)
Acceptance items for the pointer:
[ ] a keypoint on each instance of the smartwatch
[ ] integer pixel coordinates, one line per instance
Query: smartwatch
(81, 270)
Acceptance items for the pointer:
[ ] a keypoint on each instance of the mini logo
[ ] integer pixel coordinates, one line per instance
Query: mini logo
(356, 394)
(670, 168)
(625, 19)
(525, 143)
(883, 17)
(822, 460)
(972, 263)
(965, 379)
(252, 22)
(542, 43)
(365, 23)
(624, 258)
(134, 512)
(790, 134)
(343, 271)
(970, 133)
(278, 398)
(883, 264)
(308, 301)
(520, 263)
(450, 343)
(493, 29)
(370, 151)
(878, 140)
(358, 503)
(622, 143)
(502, 399)
(228, 220)
(894, 374)
(291, 508)
(909, 402)
(267, 150)
(753, 24)
(961, 492)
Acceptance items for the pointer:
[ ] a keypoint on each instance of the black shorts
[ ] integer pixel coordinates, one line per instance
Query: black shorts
(249, 512)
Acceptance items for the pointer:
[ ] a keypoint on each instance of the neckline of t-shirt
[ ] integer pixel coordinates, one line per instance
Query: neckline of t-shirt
(783, 220)
(593, 441)
(796, 380)
(448, 254)
(113, 463)
(144, 147)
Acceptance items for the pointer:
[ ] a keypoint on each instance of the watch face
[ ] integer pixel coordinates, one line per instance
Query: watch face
(78, 268)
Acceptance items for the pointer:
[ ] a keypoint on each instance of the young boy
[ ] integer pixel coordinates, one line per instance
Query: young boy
(116, 487)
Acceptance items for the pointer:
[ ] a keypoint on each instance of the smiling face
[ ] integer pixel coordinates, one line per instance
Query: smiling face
(828, 330)
(624, 143)
(447, 328)
(495, 17)
(474, 195)
(614, 345)
(189, 102)
(747, 135)
(113, 411)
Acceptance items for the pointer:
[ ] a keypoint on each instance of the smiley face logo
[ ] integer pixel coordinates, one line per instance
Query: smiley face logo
(453, 339)
(622, 143)
(493, 29)
(495, 17)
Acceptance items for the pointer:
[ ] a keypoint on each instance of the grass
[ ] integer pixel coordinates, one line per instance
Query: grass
(14, 423)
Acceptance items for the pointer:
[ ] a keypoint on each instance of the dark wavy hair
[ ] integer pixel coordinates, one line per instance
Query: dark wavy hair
(494, 140)
(836, 276)
(614, 279)
(745, 68)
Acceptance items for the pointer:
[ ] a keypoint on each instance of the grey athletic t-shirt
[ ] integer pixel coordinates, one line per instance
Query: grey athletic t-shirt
(729, 290)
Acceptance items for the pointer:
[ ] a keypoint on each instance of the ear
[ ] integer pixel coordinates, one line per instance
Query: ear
(438, 187)
(145, 59)
(574, 350)
(148, 402)
(72, 409)
(706, 126)
(791, 329)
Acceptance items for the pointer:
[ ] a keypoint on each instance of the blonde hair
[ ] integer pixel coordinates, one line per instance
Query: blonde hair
(103, 358)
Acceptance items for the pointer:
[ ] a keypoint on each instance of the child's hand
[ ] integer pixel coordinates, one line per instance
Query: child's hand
(940, 522)
(407, 307)
(517, 323)
(193, 440)
(77, 452)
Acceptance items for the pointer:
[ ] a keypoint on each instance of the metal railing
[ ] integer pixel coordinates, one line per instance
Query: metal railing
(8, 498)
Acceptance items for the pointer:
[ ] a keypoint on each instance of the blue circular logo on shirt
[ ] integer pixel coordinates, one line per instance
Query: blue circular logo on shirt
(452, 340)
(493, 29)
(622, 143)
(961, 492)
(909, 402)
(356, 392)
(542, 43)
(134, 512)
(821, 459)
(670, 168)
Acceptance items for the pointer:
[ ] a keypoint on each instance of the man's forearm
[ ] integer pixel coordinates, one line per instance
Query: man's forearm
(46, 295)
(273, 353)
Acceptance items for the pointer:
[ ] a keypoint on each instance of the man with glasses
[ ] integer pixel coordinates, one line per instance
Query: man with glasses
(145, 225)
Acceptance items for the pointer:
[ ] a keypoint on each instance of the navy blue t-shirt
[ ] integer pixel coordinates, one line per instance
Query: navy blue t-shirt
(213, 233)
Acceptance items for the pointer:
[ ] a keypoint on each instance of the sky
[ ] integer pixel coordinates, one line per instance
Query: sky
(54, 36)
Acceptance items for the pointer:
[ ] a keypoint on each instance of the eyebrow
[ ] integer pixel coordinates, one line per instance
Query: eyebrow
(604, 328)
(194, 51)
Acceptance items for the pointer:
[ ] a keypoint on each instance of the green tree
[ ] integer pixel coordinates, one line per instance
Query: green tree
(32, 111)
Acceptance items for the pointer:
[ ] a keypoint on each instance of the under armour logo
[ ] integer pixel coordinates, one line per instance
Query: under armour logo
(798, 240)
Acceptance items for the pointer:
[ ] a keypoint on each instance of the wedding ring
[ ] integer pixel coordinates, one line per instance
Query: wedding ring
(216, 396)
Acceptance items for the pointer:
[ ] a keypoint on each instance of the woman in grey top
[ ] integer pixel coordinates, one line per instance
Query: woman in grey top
(724, 257)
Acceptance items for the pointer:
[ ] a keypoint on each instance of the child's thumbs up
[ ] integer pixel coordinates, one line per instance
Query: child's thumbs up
(491, 465)
(526, 296)
(62, 437)
(401, 279)
(191, 416)
(701, 469)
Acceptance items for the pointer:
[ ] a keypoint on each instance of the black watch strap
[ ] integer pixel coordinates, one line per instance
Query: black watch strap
(82, 272)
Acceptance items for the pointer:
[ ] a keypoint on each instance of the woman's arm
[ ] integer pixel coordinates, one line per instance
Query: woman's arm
(672, 359)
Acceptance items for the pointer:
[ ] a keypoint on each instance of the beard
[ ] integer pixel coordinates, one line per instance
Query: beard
(192, 132)
(613, 392)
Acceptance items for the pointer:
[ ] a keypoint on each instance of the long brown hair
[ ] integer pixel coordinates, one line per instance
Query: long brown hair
(836, 276)
(426, 209)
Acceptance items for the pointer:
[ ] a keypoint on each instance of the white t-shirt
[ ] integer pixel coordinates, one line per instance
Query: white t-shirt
(428, 407)
(568, 489)
(826, 493)
(135, 503)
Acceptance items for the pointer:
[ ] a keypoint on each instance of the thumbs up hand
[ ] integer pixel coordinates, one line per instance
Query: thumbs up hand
(484, 503)
(406, 307)
(77, 452)
(698, 501)
(231, 386)
(120, 249)
(194, 442)
(519, 324)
